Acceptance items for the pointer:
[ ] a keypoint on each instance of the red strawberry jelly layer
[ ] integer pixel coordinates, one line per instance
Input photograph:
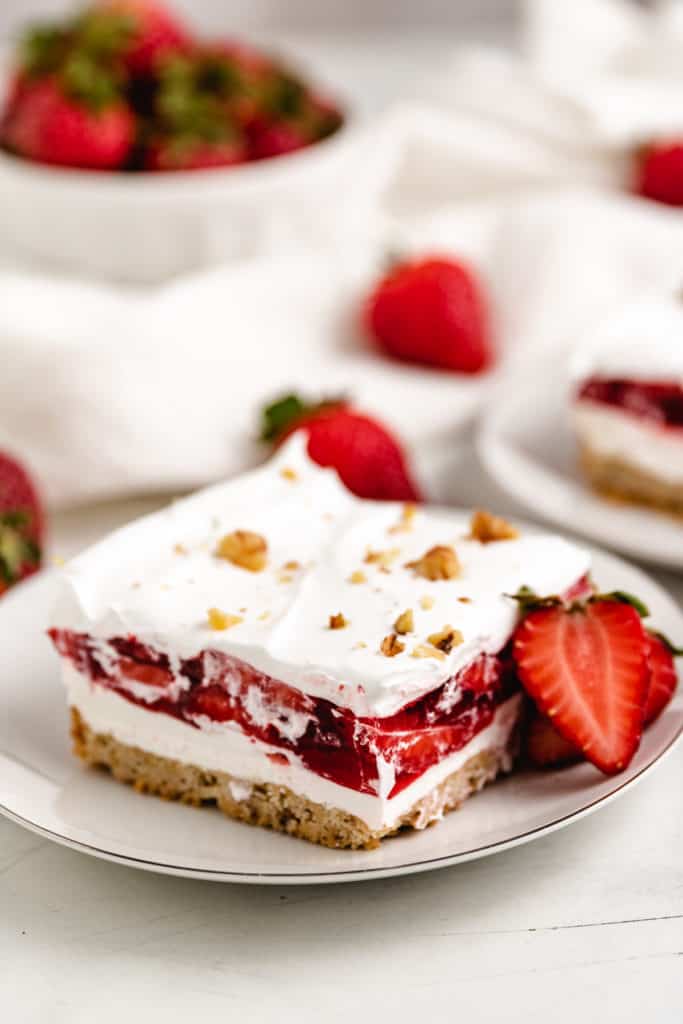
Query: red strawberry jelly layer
(329, 740)
(660, 402)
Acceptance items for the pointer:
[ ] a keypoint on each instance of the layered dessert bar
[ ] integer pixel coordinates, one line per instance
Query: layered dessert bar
(333, 668)
(628, 406)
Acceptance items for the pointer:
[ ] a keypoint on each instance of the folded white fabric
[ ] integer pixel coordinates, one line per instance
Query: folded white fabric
(506, 162)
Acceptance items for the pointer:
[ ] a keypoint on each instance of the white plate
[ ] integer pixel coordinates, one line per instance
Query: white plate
(43, 788)
(526, 444)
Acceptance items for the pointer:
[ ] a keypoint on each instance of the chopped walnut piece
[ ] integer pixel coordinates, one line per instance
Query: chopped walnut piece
(288, 473)
(291, 566)
(219, 620)
(427, 651)
(446, 639)
(486, 527)
(358, 576)
(439, 563)
(391, 646)
(360, 645)
(243, 548)
(179, 549)
(384, 559)
(427, 602)
(405, 623)
(465, 600)
(285, 577)
(337, 621)
(405, 523)
(263, 616)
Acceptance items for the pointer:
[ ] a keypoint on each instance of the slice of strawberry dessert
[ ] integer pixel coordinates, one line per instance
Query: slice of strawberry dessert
(325, 665)
(628, 405)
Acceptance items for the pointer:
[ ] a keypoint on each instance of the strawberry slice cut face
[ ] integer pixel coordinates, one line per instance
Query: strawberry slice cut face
(587, 669)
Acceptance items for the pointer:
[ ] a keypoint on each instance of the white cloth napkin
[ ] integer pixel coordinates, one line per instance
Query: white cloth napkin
(515, 163)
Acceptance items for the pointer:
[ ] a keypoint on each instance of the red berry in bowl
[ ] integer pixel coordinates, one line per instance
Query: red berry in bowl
(660, 173)
(431, 312)
(21, 524)
(152, 31)
(48, 125)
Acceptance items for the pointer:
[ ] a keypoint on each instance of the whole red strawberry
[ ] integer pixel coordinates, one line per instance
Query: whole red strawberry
(367, 457)
(431, 311)
(660, 173)
(52, 127)
(153, 31)
(21, 524)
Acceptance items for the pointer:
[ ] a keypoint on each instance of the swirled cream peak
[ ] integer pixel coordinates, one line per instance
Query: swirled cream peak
(336, 578)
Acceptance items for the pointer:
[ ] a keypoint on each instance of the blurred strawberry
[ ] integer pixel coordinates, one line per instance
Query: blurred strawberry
(21, 524)
(152, 31)
(367, 457)
(51, 126)
(276, 139)
(659, 173)
(431, 311)
(192, 154)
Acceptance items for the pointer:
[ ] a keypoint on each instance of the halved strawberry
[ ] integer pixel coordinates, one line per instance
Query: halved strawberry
(545, 747)
(586, 668)
(663, 677)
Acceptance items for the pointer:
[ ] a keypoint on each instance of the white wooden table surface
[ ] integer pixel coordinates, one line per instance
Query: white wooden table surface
(585, 925)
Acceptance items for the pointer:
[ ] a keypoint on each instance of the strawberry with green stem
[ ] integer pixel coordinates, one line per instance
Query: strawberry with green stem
(21, 524)
(369, 460)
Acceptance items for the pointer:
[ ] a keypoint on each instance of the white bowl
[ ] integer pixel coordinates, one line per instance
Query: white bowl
(147, 227)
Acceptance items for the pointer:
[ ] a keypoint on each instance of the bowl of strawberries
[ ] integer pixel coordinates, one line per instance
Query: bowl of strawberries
(134, 150)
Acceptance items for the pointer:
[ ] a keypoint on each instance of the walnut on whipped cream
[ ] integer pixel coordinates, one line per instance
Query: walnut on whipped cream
(439, 563)
(405, 623)
(337, 621)
(391, 646)
(358, 576)
(446, 639)
(427, 602)
(486, 528)
(179, 549)
(287, 473)
(219, 620)
(245, 549)
(427, 651)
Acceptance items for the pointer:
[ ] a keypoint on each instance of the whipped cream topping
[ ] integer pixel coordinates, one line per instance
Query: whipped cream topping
(158, 577)
(642, 341)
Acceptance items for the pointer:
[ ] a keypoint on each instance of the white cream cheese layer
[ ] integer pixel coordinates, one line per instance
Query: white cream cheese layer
(158, 577)
(612, 433)
(228, 750)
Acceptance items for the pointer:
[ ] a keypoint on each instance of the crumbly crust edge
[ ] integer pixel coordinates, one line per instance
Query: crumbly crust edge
(277, 807)
(621, 481)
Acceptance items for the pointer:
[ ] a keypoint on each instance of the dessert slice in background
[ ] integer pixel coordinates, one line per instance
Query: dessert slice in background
(328, 666)
(628, 405)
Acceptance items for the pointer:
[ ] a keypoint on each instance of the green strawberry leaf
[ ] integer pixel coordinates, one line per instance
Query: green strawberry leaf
(625, 598)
